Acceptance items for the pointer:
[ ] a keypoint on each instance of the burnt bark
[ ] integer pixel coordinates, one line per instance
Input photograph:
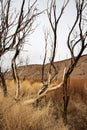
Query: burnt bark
(3, 84)
(66, 98)
(2, 81)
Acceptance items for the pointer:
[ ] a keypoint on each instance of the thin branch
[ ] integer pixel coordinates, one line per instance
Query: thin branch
(71, 31)
(62, 10)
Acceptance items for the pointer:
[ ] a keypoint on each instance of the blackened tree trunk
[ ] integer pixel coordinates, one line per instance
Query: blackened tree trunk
(2, 81)
(65, 98)
(3, 84)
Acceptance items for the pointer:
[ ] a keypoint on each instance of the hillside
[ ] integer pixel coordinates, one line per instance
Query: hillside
(34, 71)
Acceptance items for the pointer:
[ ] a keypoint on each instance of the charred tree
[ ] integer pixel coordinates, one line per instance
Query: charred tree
(80, 40)
(16, 26)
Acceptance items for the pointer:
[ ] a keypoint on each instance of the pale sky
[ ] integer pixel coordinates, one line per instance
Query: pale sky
(34, 50)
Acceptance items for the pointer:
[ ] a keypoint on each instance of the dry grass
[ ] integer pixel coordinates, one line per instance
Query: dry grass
(48, 114)
(17, 117)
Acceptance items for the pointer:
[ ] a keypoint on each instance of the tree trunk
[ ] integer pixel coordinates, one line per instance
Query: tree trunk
(16, 79)
(65, 99)
(17, 94)
(3, 84)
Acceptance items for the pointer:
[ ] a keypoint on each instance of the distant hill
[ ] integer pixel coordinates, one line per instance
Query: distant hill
(35, 71)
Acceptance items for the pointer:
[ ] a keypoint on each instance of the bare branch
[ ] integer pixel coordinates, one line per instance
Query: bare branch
(62, 10)
(81, 40)
(69, 36)
(48, 90)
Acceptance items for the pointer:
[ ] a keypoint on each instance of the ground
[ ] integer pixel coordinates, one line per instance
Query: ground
(48, 114)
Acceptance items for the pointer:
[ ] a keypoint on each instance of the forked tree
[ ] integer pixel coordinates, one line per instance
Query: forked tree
(79, 39)
(54, 20)
(73, 40)
(14, 28)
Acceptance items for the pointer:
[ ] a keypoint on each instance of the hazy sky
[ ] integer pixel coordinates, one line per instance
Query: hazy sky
(34, 50)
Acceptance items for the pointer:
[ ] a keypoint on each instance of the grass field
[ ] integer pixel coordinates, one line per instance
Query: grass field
(48, 114)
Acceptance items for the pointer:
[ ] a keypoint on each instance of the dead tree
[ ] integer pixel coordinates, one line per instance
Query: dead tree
(54, 21)
(78, 40)
(72, 43)
(14, 27)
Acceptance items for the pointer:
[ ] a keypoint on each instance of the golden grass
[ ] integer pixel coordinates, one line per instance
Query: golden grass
(48, 114)
(14, 116)
(27, 87)
(18, 117)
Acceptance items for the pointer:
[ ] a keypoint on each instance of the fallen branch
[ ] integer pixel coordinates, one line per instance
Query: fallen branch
(48, 90)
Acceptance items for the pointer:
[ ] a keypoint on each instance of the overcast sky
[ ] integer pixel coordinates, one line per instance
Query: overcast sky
(34, 50)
